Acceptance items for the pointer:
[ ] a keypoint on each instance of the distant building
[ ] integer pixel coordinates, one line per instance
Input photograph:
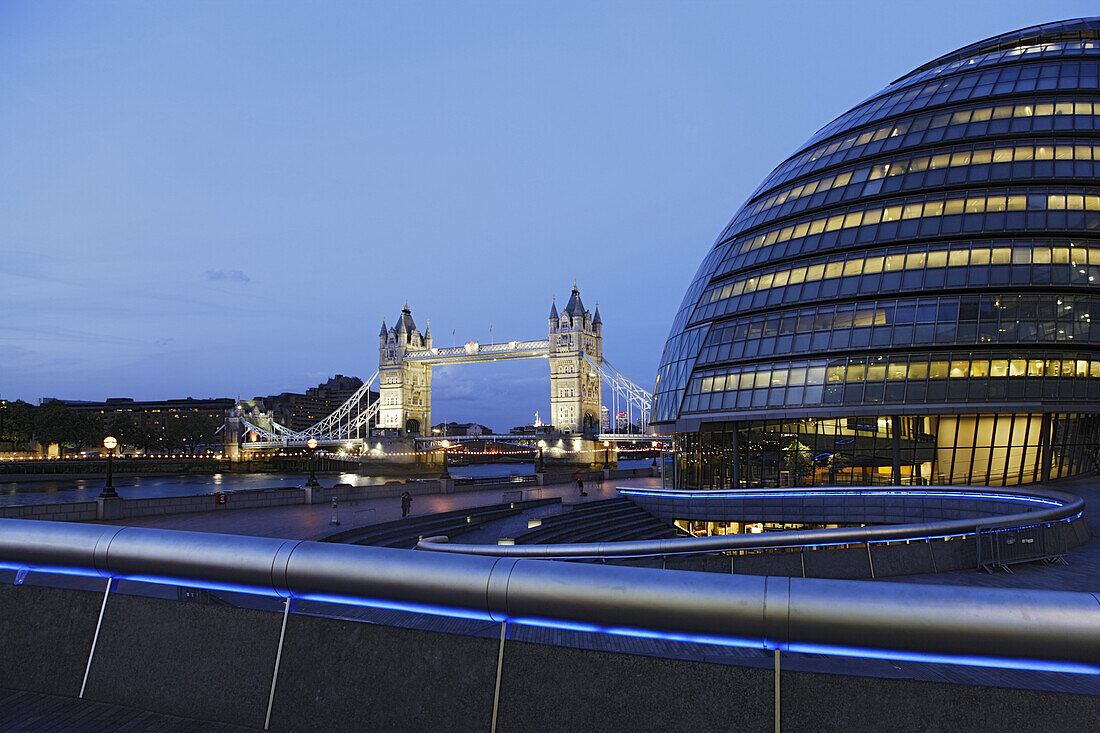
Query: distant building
(151, 420)
(299, 411)
(532, 430)
(151, 412)
(460, 428)
(908, 298)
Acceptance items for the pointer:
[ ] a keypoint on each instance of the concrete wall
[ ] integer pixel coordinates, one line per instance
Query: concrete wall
(827, 509)
(881, 560)
(75, 511)
(610, 474)
(81, 511)
(251, 499)
(215, 662)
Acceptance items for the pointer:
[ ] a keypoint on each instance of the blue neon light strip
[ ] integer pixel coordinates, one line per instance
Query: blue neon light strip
(803, 648)
(798, 647)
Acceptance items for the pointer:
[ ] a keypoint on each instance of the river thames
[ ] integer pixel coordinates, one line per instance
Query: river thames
(58, 488)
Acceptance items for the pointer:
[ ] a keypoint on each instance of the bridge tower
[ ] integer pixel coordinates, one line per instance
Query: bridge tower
(405, 387)
(574, 387)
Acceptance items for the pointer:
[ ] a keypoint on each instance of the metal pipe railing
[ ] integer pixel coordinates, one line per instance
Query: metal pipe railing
(997, 627)
(1065, 507)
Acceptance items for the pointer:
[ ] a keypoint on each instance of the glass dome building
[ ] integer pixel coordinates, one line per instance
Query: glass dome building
(908, 298)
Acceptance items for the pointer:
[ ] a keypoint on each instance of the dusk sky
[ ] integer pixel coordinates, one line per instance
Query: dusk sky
(223, 199)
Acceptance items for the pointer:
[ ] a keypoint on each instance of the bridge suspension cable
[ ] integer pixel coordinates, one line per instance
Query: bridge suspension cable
(625, 394)
(349, 421)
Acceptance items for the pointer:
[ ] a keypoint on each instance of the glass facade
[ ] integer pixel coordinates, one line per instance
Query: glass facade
(991, 449)
(928, 260)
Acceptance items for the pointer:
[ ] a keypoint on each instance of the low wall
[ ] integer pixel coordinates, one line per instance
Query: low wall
(215, 663)
(831, 505)
(606, 474)
(98, 466)
(876, 560)
(74, 511)
(124, 508)
(250, 499)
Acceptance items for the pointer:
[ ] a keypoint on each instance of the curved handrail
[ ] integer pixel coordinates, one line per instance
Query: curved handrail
(1052, 630)
(1067, 507)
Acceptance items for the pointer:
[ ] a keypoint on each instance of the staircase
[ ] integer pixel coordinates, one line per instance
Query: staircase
(610, 520)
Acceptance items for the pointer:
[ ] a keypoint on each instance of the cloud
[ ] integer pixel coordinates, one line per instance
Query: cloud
(25, 264)
(233, 275)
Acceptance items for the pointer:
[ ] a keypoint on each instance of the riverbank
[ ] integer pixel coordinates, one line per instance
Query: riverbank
(292, 492)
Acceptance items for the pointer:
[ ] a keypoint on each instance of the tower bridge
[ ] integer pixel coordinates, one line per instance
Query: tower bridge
(406, 357)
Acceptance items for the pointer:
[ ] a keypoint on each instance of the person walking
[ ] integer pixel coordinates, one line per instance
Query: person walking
(406, 503)
(580, 484)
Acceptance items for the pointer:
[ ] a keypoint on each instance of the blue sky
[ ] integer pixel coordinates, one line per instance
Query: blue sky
(224, 199)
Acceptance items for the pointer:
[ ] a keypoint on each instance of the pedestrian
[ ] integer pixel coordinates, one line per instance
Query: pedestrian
(580, 484)
(406, 503)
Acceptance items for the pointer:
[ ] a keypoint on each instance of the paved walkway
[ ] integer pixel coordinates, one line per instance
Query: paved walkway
(34, 712)
(313, 521)
(1079, 572)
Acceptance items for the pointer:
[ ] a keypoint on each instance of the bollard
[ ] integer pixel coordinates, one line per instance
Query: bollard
(335, 519)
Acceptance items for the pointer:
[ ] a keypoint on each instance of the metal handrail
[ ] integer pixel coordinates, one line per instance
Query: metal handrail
(1069, 506)
(997, 627)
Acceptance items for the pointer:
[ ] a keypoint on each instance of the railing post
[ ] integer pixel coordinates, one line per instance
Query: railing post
(500, 668)
(278, 658)
(777, 717)
(95, 637)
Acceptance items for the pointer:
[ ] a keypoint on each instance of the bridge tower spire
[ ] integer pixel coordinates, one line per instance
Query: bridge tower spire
(575, 397)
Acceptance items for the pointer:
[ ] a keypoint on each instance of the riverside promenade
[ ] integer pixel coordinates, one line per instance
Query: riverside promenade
(314, 521)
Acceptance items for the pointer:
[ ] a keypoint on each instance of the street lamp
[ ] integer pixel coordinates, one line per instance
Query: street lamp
(539, 465)
(109, 490)
(446, 444)
(606, 453)
(312, 445)
(656, 453)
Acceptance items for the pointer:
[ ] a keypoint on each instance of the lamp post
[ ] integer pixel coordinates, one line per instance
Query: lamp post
(539, 465)
(446, 444)
(312, 445)
(606, 454)
(656, 453)
(109, 490)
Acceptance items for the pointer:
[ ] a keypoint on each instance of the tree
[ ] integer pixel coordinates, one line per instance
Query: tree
(190, 430)
(122, 428)
(837, 463)
(16, 421)
(797, 458)
(55, 422)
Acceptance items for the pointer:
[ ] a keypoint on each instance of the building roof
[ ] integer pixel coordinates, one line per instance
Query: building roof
(405, 322)
(554, 310)
(919, 169)
(574, 307)
(1077, 29)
